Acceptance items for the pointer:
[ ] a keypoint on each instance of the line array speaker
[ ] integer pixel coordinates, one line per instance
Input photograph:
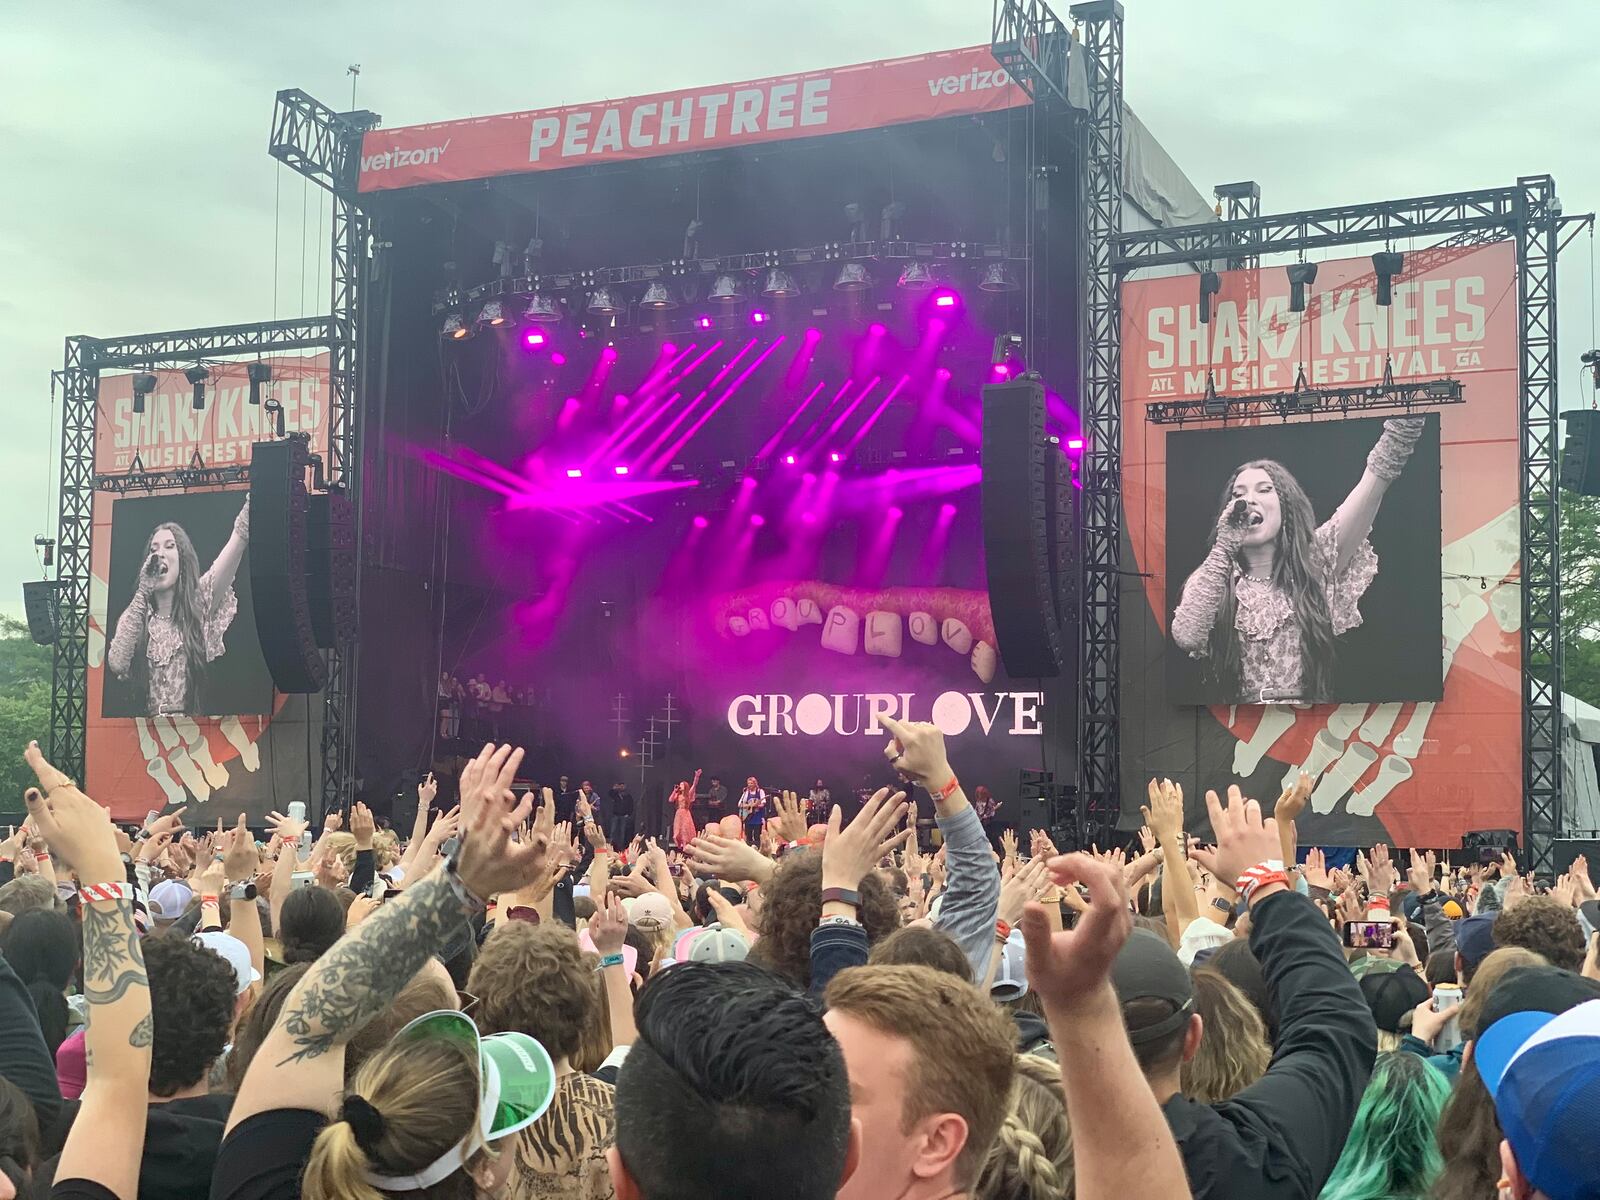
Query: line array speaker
(1580, 455)
(331, 567)
(39, 604)
(278, 556)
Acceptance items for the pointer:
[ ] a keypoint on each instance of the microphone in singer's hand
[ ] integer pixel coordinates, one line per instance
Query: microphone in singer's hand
(152, 565)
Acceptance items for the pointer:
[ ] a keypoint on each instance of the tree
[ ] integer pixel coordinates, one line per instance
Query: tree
(24, 707)
(1580, 595)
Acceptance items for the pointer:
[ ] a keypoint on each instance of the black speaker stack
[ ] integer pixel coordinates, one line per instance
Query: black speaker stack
(1580, 454)
(1029, 541)
(39, 605)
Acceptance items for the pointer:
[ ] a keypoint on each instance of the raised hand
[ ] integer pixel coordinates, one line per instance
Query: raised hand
(486, 781)
(1582, 884)
(1244, 840)
(489, 861)
(916, 750)
(1147, 839)
(849, 852)
(791, 817)
(427, 790)
(729, 858)
(362, 826)
(360, 908)
(1293, 801)
(1420, 874)
(212, 879)
(240, 860)
(332, 823)
(727, 915)
(630, 885)
(1070, 967)
(1030, 882)
(1164, 813)
(170, 823)
(284, 828)
(1206, 856)
(330, 869)
(595, 836)
(1008, 843)
(1316, 870)
(76, 829)
(1381, 873)
(608, 928)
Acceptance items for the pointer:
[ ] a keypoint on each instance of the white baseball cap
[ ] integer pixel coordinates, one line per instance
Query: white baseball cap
(236, 954)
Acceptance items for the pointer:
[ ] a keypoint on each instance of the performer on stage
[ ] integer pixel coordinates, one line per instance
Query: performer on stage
(753, 810)
(178, 617)
(683, 831)
(1276, 589)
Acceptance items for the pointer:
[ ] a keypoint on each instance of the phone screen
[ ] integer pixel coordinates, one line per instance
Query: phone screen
(1369, 935)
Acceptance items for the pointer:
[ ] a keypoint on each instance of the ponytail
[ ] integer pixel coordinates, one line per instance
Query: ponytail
(338, 1166)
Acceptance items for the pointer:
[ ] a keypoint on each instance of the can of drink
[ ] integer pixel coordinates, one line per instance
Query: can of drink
(1446, 998)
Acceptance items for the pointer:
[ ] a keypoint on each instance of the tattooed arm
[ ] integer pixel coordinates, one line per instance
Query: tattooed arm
(107, 1138)
(301, 1062)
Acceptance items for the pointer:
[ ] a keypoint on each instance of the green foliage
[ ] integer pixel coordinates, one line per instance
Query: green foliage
(1580, 595)
(24, 707)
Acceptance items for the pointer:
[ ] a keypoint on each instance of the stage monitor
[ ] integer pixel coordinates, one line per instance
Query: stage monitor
(1304, 562)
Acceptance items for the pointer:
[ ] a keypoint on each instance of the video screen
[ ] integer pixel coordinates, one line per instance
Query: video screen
(181, 630)
(1303, 562)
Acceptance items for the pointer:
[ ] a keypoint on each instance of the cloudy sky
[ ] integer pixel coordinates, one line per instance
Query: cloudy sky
(139, 195)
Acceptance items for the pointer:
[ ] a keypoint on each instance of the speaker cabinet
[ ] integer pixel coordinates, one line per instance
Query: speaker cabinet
(39, 605)
(331, 567)
(1580, 454)
(278, 519)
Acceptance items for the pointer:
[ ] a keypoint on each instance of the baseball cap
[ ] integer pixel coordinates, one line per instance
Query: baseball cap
(1475, 937)
(716, 944)
(1542, 989)
(1543, 1071)
(1147, 969)
(1011, 977)
(236, 954)
(1392, 994)
(169, 899)
(650, 911)
(1589, 911)
(516, 1082)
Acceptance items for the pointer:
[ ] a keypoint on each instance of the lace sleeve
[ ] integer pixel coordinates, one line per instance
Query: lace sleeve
(1347, 584)
(125, 639)
(1203, 593)
(219, 613)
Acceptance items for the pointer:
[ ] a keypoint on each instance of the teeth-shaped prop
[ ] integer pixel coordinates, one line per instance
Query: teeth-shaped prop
(1376, 727)
(785, 614)
(216, 774)
(1324, 749)
(178, 756)
(810, 614)
(956, 635)
(983, 661)
(757, 618)
(739, 627)
(249, 753)
(156, 765)
(1408, 742)
(1344, 719)
(1275, 720)
(1391, 774)
(841, 631)
(1351, 767)
(884, 634)
(924, 628)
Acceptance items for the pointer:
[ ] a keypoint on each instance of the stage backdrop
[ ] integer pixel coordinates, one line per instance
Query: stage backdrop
(1403, 757)
(231, 744)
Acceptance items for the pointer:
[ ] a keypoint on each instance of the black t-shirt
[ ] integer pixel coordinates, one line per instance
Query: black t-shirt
(81, 1189)
(265, 1155)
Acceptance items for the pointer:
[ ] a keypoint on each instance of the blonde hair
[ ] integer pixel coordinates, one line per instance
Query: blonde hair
(426, 1093)
(343, 846)
(596, 1040)
(1233, 1051)
(1031, 1157)
(385, 849)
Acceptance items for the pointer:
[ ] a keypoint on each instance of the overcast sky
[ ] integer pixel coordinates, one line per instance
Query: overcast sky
(139, 195)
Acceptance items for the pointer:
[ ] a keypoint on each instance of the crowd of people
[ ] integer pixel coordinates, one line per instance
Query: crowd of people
(511, 1002)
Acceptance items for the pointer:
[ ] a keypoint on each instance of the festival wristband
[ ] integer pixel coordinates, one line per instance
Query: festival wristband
(1378, 902)
(90, 892)
(1257, 876)
(43, 856)
(1002, 930)
(948, 790)
(838, 919)
(464, 894)
(610, 960)
(210, 899)
(840, 895)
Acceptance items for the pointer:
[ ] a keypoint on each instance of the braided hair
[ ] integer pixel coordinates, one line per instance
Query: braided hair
(1031, 1158)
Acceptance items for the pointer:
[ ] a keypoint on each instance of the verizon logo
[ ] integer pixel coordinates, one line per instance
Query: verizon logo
(972, 81)
(390, 159)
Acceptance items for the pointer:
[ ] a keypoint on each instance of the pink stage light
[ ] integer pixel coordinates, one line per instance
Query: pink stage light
(788, 460)
(876, 329)
(620, 469)
(533, 338)
(1001, 371)
(609, 354)
(701, 522)
(558, 359)
(702, 322)
(757, 520)
(759, 318)
(1074, 443)
(835, 456)
(945, 300)
(574, 473)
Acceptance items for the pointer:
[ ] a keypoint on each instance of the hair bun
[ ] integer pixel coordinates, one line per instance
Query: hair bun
(365, 1122)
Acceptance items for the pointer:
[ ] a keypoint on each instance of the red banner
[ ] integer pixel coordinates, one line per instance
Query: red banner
(1419, 773)
(842, 100)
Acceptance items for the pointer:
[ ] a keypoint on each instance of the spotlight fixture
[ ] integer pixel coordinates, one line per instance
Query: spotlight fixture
(197, 375)
(533, 338)
(620, 469)
(998, 277)
(455, 327)
(1213, 405)
(257, 373)
(1386, 264)
(779, 283)
(788, 460)
(493, 312)
(946, 299)
(852, 277)
(658, 296)
(143, 385)
(1300, 274)
(702, 322)
(725, 290)
(834, 456)
(1210, 285)
(759, 318)
(604, 302)
(917, 277)
(542, 310)
(1075, 445)
(574, 472)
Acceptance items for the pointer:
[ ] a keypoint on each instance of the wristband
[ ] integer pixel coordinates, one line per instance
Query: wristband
(610, 960)
(1378, 902)
(43, 856)
(204, 900)
(842, 896)
(91, 892)
(464, 894)
(946, 791)
(838, 919)
(1256, 876)
(1002, 930)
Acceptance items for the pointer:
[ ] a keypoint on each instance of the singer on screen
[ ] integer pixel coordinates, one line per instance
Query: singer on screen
(1265, 606)
(178, 617)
